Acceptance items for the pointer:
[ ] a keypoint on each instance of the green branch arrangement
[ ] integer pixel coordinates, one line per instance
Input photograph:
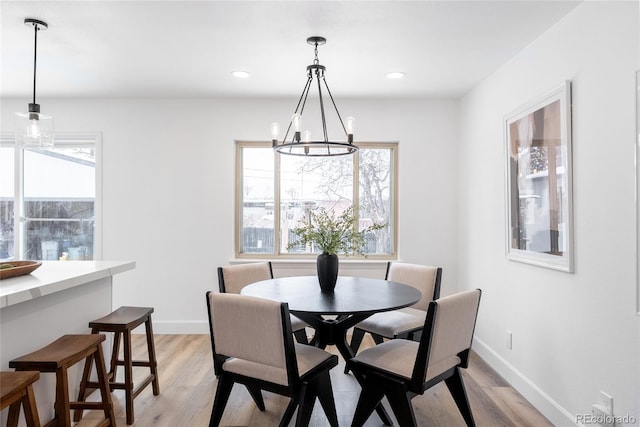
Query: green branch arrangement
(333, 234)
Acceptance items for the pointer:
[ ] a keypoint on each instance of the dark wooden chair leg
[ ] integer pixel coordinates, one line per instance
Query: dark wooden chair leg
(223, 390)
(378, 339)
(308, 393)
(400, 402)
(325, 396)
(456, 388)
(370, 397)
(301, 336)
(356, 339)
(288, 413)
(256, 395)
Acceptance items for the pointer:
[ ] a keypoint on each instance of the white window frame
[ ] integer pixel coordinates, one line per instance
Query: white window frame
(240, 144)
(61, 139)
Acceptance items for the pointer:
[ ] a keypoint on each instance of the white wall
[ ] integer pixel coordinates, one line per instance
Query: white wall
(168, 186)
(573, 334)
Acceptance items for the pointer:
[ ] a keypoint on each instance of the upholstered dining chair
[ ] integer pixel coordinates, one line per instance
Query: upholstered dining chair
(232, 278)
(406, 322)
(253, 345)
(401, 369)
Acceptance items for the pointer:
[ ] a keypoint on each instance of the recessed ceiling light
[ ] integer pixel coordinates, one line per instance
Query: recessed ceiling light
(396, 75)
(240, 74)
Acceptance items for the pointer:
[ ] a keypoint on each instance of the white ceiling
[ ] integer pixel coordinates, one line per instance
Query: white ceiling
(188, 48)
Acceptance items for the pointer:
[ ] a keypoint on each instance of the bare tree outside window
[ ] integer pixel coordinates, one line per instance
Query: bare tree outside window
(307, 184)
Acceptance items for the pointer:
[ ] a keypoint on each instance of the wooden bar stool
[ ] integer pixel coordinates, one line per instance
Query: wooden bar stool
(58, 357)
(16, 390)
(121, 322)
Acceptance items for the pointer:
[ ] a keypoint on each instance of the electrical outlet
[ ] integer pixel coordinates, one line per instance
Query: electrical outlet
(509, 339)
(607, 402)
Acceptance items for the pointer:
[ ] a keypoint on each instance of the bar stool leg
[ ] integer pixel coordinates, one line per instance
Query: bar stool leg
(115, 352)
(82, 393)
(128, 377)
(62, 406)
(153, 364)
(105, 390)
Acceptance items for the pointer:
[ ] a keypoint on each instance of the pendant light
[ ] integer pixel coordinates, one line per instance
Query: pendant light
(34, 129)
(301, 143)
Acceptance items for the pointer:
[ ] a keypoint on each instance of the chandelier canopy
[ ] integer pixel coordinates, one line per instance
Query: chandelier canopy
(301, 143)
(34, 129)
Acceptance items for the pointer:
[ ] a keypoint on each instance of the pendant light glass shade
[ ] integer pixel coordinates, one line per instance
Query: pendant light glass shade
(34, 129)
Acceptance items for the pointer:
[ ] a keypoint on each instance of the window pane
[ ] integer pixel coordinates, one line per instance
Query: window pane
(375, 195)
(310, 183)
(257, 230)
(7, 198)
(59, 199)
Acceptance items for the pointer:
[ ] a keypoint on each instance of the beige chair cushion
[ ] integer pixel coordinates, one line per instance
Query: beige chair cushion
(248, 328)
(421, 277)
(399, 356)
(308, 357)
(238, 276)
(454, 323)
(391, 323)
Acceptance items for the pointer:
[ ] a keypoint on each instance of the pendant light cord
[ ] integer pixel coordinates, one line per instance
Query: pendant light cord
(35, 57)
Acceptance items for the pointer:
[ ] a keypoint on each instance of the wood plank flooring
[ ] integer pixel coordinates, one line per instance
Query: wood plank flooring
(187, 388)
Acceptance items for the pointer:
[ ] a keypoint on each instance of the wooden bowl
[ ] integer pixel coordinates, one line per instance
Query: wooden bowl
(20, 268)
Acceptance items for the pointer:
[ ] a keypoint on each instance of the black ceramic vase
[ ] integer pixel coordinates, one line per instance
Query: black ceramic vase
(327, 271)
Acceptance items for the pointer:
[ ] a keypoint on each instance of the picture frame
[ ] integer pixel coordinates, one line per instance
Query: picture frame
(539, 181)
(637, 165)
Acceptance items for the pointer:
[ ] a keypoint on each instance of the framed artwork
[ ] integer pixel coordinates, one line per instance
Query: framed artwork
(539, 189)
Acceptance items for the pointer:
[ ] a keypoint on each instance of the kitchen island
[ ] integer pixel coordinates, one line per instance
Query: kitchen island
(60, 297)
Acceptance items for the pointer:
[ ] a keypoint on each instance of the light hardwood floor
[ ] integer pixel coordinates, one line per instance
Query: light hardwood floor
(187, 388)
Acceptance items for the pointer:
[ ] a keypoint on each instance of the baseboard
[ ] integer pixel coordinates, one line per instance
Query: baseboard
(555, 413)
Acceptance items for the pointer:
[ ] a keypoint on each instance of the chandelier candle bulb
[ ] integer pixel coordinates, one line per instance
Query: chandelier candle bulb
(275, 132)
(306, 136)
(350, 125)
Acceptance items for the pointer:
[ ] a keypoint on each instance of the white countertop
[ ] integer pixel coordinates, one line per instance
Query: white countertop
(56, 276)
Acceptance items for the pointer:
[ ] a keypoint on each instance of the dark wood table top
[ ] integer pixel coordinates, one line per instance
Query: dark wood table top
(352, 295)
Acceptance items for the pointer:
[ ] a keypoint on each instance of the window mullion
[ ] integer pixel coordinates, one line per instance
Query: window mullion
(276, 203)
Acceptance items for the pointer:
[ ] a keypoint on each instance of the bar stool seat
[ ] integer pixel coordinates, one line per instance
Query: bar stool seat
(58, 357)
(16, 391)
(121, 322)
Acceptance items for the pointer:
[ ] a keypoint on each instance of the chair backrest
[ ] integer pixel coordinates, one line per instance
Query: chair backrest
(232, 278)
(447, 334)
(253, 329)
(424, 278)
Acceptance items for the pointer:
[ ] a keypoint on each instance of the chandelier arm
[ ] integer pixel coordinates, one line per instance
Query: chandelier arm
(324, 120)
(335, 106)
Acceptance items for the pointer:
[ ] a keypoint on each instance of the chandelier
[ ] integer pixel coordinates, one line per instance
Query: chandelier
(301, 143)
(34, 129)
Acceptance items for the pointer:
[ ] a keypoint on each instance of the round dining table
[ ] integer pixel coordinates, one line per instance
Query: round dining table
(331, 314)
